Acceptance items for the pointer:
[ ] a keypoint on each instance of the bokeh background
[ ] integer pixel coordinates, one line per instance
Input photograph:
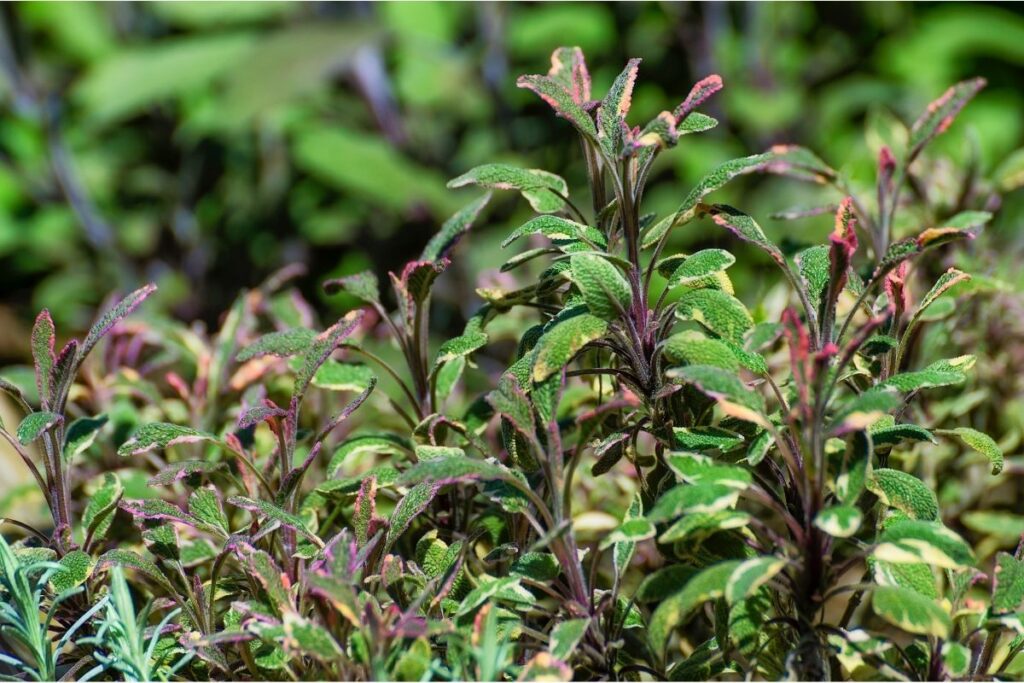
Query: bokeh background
(203, 146)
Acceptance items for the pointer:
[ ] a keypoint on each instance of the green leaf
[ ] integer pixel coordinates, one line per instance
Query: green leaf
(99, 511)
(76, 567)
(558, 229)
(441, 244)
(534, 184)
(321, 349)
(929, 542)
(604, 289)
(693, 348)
(699, 525)
(840, 521)
(721, 385)
(451, 470)
(132, 560)
(705, 438)
(947, 280)
(366, 444)
(940, 114)
(622, 553)
(942, 373)
(42, 342)
(536, 566)
(956, 659)
(896, 433)
(815, 267)
(631, 530)
(709, 584)
(1004, 526)
(363, 285)
(905, 492)
(176, 471)
(336, 376)
(561, 100)
(563, 340)
(107, 321)
(161, 435)
(412, 504)
(1007, 583)
(981, 442)
(34, 425)
(697, 267)
(911, 612)
(751, 575)
(694, 468)
(565, 636)
(284, 343)
(310, 638)
(81, 434)
(719, 312)
(865, 409)
(505, 589)
(692, 498)
(746, 229)
(266, 509)
(204, 504)
(611, 114)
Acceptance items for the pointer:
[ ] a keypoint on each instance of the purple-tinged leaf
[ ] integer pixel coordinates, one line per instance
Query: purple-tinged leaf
(180, 470)
(161, 435)
(561, 100)
(946, 281)
(156, 509)
(352, 406)
(34, 425)
(569, 69)
(745, 228)
(701, 91)
(284, 343)
(364, 515)
(132, 560)
(440, 245)
(64, 367)
(113, 316)
(455, 469)
(272, 512)
(43, 334)
(412, 504)
(291, 481)
(940, 115)
(364, 286)
(611, 115)
(322, 348)
(267, 573)
(257, 414)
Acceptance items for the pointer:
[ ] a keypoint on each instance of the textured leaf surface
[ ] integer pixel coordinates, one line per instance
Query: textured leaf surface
(99, 511)
(565, 636)
(692, 498)
(534, 184)
(911, 612)
(698, 266)
(631, 530)
(35, 424)
(604, 289)
(76, 567)
(707, 585)
(751, 575)
(560, 99)
(982, 443)
(42, 342)
(81, 434)
(284, 343)
(441, 244)
(698, 525)
(160, 435)
(721, 384)
(564, 340)
(276, 514)
(928, 542)
(337, 376)
(412, 504)
(745, 228)
(450, 470)
(940, 114)
(840, 521)
(556, 228)
(705, 438)
(363, 285)
(905, 492)
(694, 468)
(719, 312)
(1008, 583)
(107, 321)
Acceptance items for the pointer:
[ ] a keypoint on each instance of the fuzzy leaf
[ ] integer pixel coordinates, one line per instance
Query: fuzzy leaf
(942, 373)
(536, 566)
(611, 114)
(99, 511)
(751, 575)
(43, 333)
(814, 266)
(284, 343)
(698, 266)
(132, 560)
(310, 638)
(266, 509)
(940, 114)
(694, 468)
(981, 442)
(928, 542)
(34, 425)
(506, 589)
(947, 280)
(412, 504)
(81, 434)
(364, 286)
(1007, 583)
(721, 385)
(698, 525)
(320, 350)
(177, 471)
(745, 228)
(113, 316)
(604, 289)
(451, 470)
(76, 567)
(441, 244)
(631, 530)
(561, 100)
(336, 376)
(709, 584)
(840, 521)
(562, 341)
(558, 229)
(161, 435)
(357, 446)
(565, 636)
(692, 498)
(534, 184)
(911, 612)
(204, 504)
(905, 492)
(705, 438)
(719, 312)
(896, 433)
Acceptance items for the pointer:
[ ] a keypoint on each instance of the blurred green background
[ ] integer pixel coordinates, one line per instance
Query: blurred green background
(205, 145)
